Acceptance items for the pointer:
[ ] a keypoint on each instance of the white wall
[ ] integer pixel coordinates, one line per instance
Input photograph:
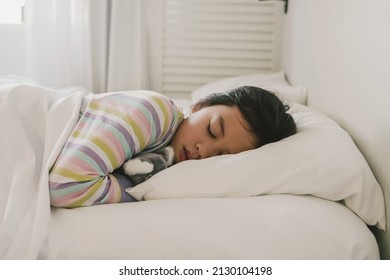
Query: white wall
(340, 50)
(12, 50)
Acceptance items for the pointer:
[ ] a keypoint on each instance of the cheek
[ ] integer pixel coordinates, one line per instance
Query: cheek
(191, 124)
(185, 132)
(189, 133)
(196, 125)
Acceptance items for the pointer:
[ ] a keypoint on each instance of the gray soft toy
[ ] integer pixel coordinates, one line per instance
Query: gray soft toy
(144, 166)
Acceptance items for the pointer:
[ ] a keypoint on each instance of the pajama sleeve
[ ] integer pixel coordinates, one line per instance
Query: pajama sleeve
(113, 128)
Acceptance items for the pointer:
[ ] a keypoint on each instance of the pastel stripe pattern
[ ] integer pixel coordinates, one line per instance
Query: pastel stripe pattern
(113, 128)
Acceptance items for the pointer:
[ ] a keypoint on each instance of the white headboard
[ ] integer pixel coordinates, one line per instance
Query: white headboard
(340, 50)
(202, 41)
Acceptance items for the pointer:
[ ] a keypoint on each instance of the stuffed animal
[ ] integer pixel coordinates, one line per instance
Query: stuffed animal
(144, 166)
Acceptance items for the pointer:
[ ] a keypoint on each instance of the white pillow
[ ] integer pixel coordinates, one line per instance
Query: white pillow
(320, 160)
(274, 82)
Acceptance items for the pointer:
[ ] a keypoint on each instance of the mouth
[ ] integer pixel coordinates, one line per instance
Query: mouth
(185, 155)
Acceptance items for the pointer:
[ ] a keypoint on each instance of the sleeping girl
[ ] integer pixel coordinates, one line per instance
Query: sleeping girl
(115, 128)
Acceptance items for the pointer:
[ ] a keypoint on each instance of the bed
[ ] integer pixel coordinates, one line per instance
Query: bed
(309, 196)
(319, 194)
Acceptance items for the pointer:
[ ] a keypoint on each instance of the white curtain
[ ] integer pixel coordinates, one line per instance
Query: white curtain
(127, 55)
(98, 44)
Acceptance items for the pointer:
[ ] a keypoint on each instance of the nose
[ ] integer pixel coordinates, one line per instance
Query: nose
(208, 149)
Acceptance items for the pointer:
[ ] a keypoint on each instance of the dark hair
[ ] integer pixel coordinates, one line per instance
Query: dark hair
(264, 112)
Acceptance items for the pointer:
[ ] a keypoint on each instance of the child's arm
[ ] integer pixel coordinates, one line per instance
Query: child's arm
(112, 130)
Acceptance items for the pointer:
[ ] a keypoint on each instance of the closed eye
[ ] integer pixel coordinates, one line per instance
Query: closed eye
(212, 135)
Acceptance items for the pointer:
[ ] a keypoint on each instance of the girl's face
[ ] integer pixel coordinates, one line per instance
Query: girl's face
(212, 131)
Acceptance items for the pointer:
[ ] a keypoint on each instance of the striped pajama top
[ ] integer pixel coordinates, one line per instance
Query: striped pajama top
(113, 128)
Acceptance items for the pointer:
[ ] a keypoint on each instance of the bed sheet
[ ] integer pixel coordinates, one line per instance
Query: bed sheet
(265, 227)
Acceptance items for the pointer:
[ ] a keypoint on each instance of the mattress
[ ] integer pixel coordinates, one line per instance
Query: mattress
(276, 227)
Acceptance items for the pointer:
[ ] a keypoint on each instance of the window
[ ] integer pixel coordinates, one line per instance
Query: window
(11, 11)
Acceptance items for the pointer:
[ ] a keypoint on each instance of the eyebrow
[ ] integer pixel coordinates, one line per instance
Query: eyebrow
(221, 122)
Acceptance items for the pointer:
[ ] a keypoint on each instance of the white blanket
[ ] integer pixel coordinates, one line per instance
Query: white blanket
(35, 122)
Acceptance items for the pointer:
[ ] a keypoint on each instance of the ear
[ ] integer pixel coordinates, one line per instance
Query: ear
(138, 165)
